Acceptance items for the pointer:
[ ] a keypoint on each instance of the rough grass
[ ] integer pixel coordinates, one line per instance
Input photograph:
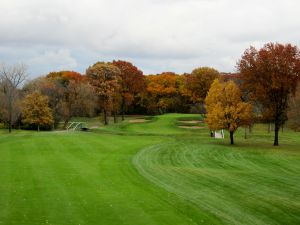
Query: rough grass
(148, 173)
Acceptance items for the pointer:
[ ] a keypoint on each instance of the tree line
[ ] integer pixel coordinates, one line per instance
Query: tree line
(111, 89)
(264, 88)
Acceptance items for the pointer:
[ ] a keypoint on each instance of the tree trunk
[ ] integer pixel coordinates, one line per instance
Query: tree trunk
(231, 138)
(276, 143)
(105, 117)
(38, 128)
(115, 117)
(9, 126)
(66, 123)
(123, 109)
(10, 116)
(245, 136)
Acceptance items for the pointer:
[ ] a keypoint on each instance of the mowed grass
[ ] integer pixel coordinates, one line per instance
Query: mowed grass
(148, 173)
(165, 125)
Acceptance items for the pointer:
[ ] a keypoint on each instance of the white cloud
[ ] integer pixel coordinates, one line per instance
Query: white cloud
(158, 35)
(53, 61)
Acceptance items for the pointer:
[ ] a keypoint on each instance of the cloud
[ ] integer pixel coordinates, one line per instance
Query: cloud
(157, 35)
(53, 61)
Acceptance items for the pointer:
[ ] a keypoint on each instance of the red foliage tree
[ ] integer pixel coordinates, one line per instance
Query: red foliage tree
(270, 76)
(132, 82)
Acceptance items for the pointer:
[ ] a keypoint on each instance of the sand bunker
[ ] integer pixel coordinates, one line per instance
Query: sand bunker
(191, 127)
(190, 121)
(138, 121)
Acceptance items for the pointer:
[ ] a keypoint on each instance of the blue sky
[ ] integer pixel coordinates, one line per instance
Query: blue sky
(155, 35)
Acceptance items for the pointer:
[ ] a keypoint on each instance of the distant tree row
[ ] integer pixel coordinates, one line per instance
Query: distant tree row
(264, 87)
(108, 88)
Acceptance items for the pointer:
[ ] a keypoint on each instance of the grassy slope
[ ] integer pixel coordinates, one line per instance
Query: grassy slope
(89, 178)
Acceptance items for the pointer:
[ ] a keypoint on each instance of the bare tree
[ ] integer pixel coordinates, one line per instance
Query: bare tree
(11, 78)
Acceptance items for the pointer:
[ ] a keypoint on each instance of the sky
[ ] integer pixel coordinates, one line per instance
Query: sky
(155, 35)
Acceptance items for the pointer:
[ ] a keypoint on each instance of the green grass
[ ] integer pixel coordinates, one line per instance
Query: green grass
(148, 173)
(164, 125)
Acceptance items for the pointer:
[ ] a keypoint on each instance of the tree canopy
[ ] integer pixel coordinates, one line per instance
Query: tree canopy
(162, 92)
(35, 110)
(198, 83)
(225, 108)
(132, 82)
(270, 75)
(105, 78)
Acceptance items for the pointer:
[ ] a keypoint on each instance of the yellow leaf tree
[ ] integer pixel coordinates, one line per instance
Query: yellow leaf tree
(225, 108)
(35, 110)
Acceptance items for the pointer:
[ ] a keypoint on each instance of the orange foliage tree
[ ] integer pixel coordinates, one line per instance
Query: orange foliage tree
(162, 92)
(271, 75)
(225, 109)
(35, 110)
(105, 78)
(65, 76)
(198, 83)
(53, 90)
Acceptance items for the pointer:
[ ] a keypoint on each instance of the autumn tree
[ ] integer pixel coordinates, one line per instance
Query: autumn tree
(225, 108)
(104, 77)
(35, 110)
(271, 75)
(132, 82)
(198, 83)
(79, 100)
(162, 92)
(64, 104)
(11, 78)
(116, 105)
(65, 76)
(69, 94)
(55, 92)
